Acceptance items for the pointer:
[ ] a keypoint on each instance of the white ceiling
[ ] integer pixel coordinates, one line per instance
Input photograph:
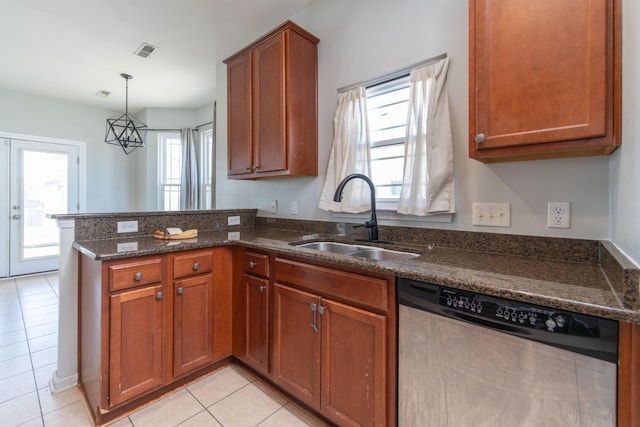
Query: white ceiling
(71, 49)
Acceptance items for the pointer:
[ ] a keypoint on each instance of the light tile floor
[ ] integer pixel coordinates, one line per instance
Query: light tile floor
(228, 397)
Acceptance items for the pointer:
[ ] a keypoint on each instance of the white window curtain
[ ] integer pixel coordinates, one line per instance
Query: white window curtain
(350, 154)
(189, 181)
(428, 185)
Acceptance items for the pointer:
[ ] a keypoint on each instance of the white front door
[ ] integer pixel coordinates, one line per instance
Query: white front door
(43, 181)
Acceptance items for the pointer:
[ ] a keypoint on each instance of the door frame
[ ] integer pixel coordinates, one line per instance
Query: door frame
(5, 159)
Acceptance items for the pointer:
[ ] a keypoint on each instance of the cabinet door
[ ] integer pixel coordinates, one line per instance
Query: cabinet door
(541, 72)
(135, 343)
(353, 365)
(269, 138)
(257, 325)
(192, 323)
(296, 344)
(239, 115)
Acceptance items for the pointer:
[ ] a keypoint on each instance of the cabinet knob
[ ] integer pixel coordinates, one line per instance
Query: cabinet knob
(248, 168)
(180, 290)
(160, 295)
(137, 277)
(196, 266)
(261, 288)
(252, 264)
(480, 138)
(256, 168)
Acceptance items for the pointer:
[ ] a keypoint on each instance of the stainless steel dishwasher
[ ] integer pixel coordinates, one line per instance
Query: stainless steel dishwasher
(468, 359)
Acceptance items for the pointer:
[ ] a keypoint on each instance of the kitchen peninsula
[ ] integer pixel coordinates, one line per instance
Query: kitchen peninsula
(583, 276)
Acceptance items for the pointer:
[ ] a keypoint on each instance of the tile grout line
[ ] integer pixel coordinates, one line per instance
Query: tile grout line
(33, 371)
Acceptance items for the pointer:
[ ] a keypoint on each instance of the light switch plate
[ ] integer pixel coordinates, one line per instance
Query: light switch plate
(127, 247)
(127, 226)
(492, 214)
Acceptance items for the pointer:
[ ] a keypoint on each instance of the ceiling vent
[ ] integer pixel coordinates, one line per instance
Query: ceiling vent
(145, 50)
(103, 93)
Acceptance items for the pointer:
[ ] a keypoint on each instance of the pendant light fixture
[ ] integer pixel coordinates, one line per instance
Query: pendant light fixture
(125, 130)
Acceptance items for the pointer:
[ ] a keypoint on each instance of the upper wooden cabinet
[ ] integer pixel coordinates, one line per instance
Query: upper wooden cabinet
(544, 79)
(272, 106)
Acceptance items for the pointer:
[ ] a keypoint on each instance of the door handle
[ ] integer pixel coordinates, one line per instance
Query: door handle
(15, 217)
(314, 308)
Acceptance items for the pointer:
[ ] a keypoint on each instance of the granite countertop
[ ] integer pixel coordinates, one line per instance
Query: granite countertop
(578, 287)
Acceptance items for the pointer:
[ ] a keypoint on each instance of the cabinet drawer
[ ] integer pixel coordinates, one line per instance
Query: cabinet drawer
(124, 275)
(255, 263)
(192, 263)
(351, 287)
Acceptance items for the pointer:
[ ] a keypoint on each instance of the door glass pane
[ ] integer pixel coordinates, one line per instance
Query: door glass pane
(45, 193)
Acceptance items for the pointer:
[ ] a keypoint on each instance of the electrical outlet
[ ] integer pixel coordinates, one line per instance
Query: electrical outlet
(492, 214)
(559, 214)
(127, 226)
(233, 220)
(274, 206)
(294, 208)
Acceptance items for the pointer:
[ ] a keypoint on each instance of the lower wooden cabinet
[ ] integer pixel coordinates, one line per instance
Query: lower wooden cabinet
(253, 303)
(135, 342)
(628, 375)
(327, 336)
(256, 303)
(353, 374)
(296, 343)
(192, 324)
(330, 350)
(146, 324)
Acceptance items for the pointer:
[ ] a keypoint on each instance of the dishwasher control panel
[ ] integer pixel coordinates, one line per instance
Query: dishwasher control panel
(516, 313)
(580, 333)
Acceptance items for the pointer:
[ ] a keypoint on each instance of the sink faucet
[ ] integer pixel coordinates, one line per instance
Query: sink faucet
(372, 224)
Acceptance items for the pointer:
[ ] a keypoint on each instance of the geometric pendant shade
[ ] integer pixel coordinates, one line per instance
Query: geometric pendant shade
(125, 130)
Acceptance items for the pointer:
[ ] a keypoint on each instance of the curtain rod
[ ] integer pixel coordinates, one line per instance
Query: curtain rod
(178, 130)
(393, 74)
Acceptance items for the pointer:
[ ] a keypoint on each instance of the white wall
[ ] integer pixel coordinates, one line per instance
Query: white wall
(361, 39)
(625, 162)
(110, 173)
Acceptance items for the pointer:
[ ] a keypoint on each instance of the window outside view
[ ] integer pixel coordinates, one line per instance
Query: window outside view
(45, 192)
(387, 105)
(170, 169)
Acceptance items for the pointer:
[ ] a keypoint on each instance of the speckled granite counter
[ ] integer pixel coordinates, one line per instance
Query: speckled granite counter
(580, 278)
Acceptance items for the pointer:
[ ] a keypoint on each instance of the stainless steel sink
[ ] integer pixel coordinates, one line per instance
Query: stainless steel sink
(384, 254)
(370, 252)
(335, 247)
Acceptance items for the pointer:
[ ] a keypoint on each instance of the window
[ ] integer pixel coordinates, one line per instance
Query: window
(169, 170)
(387, 105)
(206, 166)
